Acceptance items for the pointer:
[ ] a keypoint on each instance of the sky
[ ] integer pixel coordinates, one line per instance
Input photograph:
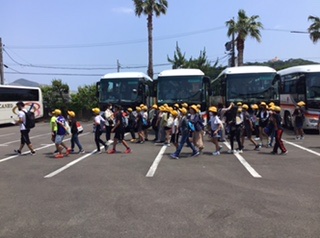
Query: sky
(80, 41)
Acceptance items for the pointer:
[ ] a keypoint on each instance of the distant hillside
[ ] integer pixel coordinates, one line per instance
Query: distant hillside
(25, 82)
(279, 64)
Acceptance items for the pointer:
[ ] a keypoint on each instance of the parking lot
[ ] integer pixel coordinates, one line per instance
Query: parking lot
(147, 194)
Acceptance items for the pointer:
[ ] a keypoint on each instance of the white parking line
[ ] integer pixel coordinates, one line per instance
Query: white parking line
(6, 134)
(245, 163)
(156, 162)
(302, 148)
(54, 173)
(36, 149)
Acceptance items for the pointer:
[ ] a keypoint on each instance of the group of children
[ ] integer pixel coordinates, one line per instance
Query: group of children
(182, 124)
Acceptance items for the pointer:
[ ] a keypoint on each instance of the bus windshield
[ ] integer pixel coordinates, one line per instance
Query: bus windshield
(173, 89)
(116, 90)
(313, 90)
(252, 87)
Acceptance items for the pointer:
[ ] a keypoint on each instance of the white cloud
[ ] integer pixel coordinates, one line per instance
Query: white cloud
(124, 10)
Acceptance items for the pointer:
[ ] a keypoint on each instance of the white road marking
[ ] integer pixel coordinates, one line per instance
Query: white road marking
(54, 173)
(156, 162)
(36, 149)
(245, 163)
(15, 141)
(302, 148)
(6, 134)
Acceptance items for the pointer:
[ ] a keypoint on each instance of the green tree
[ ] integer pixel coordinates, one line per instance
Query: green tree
(314, 29)
(150, 8)
(84, 100)
(56, 96)
(179, 60)
(244, 26)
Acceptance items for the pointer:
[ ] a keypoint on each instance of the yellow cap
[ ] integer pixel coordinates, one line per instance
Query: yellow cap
(183, 110)
(185, 105)
(239, 103)
(301, 104)
(263, 104)
(96, 110)
(277, 109)
(245, 106)
(174, 113)
(154, 106)
(194, 107)
(129, 109)
(71, 113)
(138, 109)
(57, 112)
(254, 106)
(213, 109)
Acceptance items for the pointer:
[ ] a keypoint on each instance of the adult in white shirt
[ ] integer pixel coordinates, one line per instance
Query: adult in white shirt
(23, 130)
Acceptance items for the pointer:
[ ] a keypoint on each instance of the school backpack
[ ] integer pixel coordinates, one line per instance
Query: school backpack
(30, 119)
(124, 122)
(79, 127)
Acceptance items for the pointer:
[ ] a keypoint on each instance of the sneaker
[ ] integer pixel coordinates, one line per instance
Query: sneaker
(216, 153)
(97, 152)
(33, 152)
(273, 153)
(231, 151)
(297, 138)
(59, 156)
(195, 154)
(106, 147)
(257, 147)
(112, 151)
(173, 156)
(168, 144)
(257, 138)
(82, 152)
(67, 152)
(56, 151)
(18, 152)
(133, 140)
(240, 151)
(284, 153)
(128, 151)
(302, 138)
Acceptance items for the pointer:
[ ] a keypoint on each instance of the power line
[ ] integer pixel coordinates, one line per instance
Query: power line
(116, 42)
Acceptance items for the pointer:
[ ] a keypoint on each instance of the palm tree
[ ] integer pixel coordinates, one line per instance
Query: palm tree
(150, 8)
(243, 27)
(314, 28)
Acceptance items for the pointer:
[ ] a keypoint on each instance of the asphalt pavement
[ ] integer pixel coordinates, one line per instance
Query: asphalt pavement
(148, 194)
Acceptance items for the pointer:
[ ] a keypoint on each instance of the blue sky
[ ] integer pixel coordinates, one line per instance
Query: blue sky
(93, 35)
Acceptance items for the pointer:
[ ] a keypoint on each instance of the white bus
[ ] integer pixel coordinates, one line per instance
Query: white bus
(10, 95)
(183, 85)
(300, 83)
(246, 84)
(127, 89)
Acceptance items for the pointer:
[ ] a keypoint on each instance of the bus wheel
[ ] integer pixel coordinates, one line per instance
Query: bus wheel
(287, 120)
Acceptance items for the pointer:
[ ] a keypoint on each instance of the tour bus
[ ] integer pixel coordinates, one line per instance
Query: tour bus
(127, 89)
(183, 85)
(300, 83)
(10, 95)
(246, 84)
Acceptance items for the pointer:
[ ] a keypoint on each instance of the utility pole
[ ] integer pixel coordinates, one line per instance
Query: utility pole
(118, 66)
(1, 64)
